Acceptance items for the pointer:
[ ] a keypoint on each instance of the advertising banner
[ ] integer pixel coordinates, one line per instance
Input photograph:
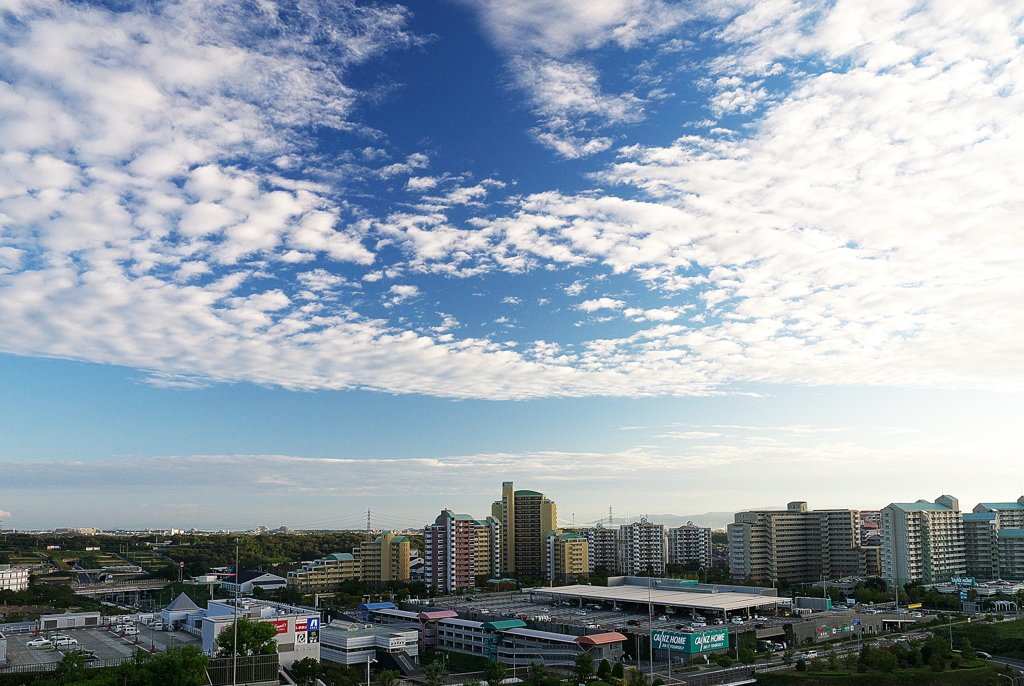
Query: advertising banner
(697, 642)
(313, 630)
(281, 625)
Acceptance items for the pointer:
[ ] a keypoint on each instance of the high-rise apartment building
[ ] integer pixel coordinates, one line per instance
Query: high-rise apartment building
(384, 559)
(642, 548)
(923, 541)
(603, 548)
(796, 544)
(994, 540)
(456, 549)
(567, 556)
(690, 545)
(525, 517)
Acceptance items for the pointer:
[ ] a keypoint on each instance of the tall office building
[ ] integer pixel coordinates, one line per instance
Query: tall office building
(923, 541)
(456, 549)
(386, 558)
(603, 548)
(642, 548)
(690, 545)
(526, 518)
(567, 556)
(797, 545)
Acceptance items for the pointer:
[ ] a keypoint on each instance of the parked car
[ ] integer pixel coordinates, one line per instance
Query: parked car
(65, 641)
(634, 622)
(40, 643)
(698, 624)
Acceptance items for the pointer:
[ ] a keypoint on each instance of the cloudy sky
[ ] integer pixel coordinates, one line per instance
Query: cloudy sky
(281, 262)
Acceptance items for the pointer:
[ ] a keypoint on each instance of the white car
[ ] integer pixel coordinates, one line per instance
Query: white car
(65, 641)
(40, 643)
(698, 624)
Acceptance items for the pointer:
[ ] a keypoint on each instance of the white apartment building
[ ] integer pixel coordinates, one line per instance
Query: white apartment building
(994, 540)
(603, 548)
(642, 548)
(13, 578)
(797, 545)
(690, 545)
(923, 541)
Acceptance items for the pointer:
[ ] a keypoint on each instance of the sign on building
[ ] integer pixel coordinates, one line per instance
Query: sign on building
(962, 581)
(698, 642)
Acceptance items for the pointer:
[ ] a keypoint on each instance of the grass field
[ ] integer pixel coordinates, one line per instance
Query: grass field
(908, 677)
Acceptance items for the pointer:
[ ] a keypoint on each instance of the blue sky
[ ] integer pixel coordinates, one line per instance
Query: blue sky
(283, 263)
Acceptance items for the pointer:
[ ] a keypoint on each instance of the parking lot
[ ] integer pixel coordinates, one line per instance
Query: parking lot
(594, 616)
(104, 644)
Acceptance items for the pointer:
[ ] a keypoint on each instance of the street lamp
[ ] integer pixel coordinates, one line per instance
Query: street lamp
(369, 661)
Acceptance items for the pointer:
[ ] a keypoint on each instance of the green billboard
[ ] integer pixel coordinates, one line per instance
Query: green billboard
(697, 642)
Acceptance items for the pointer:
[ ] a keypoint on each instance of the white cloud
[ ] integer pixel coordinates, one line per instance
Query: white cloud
(403, 292)
(600, 304)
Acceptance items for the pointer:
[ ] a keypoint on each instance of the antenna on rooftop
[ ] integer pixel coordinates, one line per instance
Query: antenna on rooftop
(368, 529)
(610, 520)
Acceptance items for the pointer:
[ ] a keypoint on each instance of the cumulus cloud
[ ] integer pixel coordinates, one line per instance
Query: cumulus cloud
(863, 228)
(600, 304)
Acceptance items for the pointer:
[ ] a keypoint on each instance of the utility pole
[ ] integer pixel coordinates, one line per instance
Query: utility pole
(234, 658)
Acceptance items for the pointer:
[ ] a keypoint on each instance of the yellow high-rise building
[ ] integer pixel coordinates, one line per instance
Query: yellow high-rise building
(526, 518)
(384, 559)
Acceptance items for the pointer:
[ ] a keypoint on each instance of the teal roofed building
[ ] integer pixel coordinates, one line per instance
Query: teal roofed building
(1003, 547)
(923, 541)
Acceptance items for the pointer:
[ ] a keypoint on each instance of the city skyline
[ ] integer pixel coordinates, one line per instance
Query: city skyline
(260, 264)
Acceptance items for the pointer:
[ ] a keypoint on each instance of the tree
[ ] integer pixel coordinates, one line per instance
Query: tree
(801, 666)
(71, 668)
(584, 668)
(748, 656)
(723, 661)
(494, 673)
(967, 649)
(435, 674)
(618, 671)
(604, 670)
(305, 671)
(254, 638)
(885, 662)
(184, 666)
(537, 674)
(389, 677)
(636, 678)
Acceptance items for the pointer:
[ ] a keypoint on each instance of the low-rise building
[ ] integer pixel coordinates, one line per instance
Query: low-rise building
(298, 629)
(244, 583)
(13, 578)
(351, 643)
(510, 642)
(325, 575)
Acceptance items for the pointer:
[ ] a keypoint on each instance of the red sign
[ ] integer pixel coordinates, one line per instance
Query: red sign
(281, 625)
(300, 624)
